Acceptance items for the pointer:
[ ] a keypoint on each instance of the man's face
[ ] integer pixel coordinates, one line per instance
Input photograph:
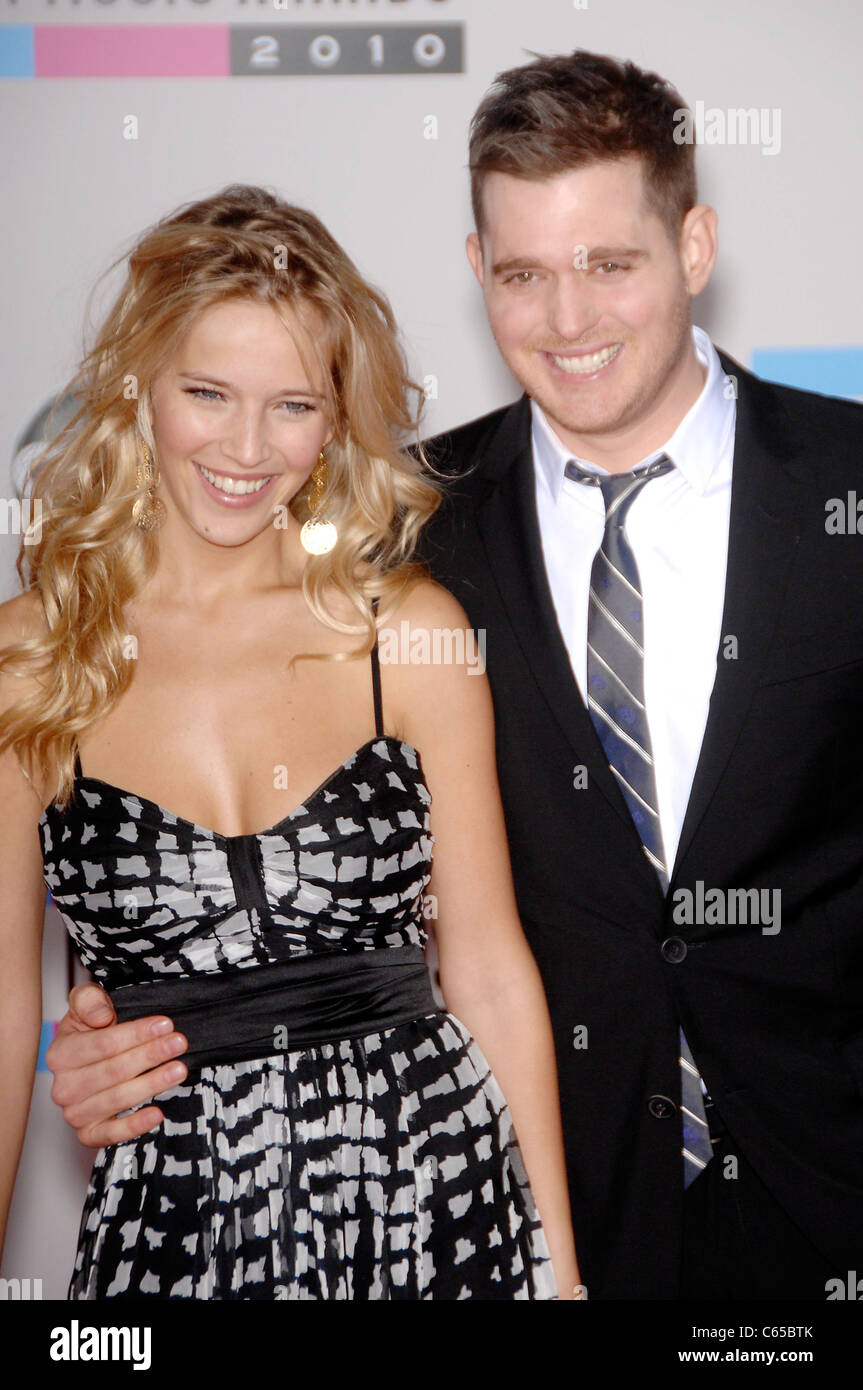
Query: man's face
(588, 298)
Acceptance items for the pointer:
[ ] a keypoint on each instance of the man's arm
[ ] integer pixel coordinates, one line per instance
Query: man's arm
(102, 1067)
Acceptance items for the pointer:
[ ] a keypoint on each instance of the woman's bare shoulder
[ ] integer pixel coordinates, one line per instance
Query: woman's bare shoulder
(430, 651)
(427, 604)
(20, 617)
(422, 603)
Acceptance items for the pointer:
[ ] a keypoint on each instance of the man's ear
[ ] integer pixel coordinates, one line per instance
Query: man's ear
(698, 246)
(474, 254)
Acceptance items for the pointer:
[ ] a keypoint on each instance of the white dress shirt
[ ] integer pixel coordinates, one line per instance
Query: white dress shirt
(677, 528)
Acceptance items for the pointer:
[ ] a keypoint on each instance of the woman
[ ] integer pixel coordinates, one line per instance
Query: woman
(228, 506)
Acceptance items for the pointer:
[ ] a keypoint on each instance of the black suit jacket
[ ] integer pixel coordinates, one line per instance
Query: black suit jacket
(775, 1021)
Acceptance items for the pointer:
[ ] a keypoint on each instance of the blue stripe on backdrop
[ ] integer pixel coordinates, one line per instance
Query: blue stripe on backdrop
(49, 1028)
(16, 50)
(830, 371)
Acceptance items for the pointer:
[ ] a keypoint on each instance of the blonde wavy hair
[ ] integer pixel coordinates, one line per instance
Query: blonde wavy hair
(91, 559)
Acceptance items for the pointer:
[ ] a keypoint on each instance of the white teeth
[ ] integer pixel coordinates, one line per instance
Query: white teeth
(235, 487)
(583, 366)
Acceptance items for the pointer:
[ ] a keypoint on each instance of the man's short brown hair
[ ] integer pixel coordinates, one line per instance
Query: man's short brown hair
(570, 110)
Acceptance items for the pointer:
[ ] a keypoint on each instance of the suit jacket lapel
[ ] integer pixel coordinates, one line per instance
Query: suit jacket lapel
(763, 535)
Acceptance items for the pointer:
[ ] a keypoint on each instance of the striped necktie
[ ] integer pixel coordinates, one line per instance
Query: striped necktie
(615, 698)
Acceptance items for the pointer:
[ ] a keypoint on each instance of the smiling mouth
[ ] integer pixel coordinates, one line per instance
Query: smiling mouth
(585, 364)
(235, 487)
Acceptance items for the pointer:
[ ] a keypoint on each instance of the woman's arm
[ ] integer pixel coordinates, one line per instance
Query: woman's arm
(22, 909)
(489, 977)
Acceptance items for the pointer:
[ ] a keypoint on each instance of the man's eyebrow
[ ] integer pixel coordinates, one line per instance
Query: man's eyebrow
(597, 253)
(515, 263)
(616, 253)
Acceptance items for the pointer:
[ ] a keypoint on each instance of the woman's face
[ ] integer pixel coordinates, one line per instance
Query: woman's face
(237, 421)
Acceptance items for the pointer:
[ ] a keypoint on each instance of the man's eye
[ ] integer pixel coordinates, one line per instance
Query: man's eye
(521, 277)
(610, 266)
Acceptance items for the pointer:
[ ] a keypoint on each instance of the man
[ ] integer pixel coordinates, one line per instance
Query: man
(677, 669)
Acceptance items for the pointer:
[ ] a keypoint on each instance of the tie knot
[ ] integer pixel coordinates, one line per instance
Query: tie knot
(619, 490)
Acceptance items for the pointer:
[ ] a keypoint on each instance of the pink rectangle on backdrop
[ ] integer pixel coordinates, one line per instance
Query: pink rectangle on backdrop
(133, 50)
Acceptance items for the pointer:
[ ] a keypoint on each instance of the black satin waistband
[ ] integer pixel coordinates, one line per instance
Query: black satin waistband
(267, 1009)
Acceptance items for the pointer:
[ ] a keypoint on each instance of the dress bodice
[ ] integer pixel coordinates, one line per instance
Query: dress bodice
(146, 894)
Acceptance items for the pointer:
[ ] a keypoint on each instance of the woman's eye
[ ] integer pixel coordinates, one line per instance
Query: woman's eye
(209, 393)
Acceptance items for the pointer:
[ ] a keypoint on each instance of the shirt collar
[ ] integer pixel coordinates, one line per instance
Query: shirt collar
(697, 446)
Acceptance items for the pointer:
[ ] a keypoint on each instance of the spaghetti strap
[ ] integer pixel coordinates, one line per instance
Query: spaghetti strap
(376, 679)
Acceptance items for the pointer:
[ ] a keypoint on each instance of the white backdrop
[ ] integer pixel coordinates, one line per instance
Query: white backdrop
(354, 149)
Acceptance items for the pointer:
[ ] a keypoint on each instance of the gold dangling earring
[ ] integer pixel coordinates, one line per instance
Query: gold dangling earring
(318, 536)
(148, 510)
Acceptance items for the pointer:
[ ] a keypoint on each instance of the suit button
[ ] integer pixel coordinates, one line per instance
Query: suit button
(661, 1107)
(673, 949)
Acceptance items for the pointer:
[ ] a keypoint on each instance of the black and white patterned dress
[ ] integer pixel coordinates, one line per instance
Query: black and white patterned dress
(377, 1166)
